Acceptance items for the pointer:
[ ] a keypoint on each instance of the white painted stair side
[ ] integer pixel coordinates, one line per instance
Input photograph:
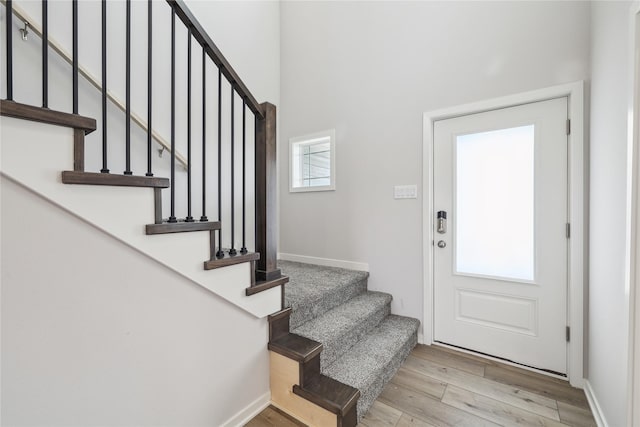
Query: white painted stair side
(35, 154)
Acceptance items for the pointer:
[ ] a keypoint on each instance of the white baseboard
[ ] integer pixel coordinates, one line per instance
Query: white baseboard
(598, 415)
(245, 415)
(351, 265)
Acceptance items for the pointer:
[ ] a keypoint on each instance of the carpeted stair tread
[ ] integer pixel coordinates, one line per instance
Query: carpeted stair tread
(343, 326)
(373, 361)
(313, 289)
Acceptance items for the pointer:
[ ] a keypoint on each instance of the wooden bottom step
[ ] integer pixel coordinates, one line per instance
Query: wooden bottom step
(297, 386)
(309, 404)
(331, 395)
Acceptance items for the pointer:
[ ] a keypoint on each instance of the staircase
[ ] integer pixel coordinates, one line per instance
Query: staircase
(336, 344)
(346, 344)
(210, 195)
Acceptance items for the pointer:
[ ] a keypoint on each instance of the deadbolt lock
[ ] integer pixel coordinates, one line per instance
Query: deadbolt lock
(441, 222)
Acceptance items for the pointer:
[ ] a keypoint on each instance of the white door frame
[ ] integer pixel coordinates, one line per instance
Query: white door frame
(633, 216)
(577, 251)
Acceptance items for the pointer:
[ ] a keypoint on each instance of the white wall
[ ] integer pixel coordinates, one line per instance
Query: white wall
(95, 333)
(370, 70)
(248, 35)
(608, 293)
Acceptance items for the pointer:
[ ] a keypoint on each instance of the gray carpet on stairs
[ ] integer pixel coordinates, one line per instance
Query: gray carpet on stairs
(363, 345)
(342, 327)
(314, 289)
(374, 360)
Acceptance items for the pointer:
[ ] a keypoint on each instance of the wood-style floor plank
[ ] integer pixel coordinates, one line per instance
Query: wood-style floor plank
(272, 417)
(457, 361)
(491, 362)
(562, 392)
(381, 415)
(529, 373)
(494, 410)
(507, 394)
(439, 386)
(409, 421)
(259, 421)
(469, 356)
(428, 409)
(574, 416)
(418, 382)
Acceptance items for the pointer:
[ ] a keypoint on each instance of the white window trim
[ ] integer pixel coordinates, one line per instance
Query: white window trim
(331, 134)
(575, 309)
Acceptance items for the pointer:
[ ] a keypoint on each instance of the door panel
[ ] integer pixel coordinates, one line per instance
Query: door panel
(500, 269)
(506, 312)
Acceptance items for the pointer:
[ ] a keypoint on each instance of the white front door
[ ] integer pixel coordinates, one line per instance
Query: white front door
(500, 256)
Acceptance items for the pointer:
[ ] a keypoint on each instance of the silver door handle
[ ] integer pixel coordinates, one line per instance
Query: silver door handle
(442, 244)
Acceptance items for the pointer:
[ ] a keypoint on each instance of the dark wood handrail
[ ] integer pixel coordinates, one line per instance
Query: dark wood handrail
(265, 157)
(199, 33)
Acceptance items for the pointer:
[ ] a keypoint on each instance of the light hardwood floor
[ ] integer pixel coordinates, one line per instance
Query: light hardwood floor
(437, 386)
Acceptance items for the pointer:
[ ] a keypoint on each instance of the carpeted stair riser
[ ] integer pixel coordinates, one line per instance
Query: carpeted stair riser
(314, 290)
(373, 361)
(342, 327)
(376, 388)
(312, 309)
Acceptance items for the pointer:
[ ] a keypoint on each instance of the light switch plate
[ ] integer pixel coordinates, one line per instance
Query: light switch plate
(405, 192)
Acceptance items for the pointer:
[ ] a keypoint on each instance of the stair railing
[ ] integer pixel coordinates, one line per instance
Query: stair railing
(264, 120)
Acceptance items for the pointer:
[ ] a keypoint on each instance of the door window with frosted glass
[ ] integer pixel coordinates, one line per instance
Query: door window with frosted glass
(495, 204)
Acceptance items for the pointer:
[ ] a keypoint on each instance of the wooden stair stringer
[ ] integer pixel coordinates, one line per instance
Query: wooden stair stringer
(297, 386)
(33, 154)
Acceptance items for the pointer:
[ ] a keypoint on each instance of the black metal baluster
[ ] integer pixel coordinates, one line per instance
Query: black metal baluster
(204, 218)
(128, 94)
(172, 218)
(244, 176)
(45, 54)
(75, 55)
(149, 84)
(104, 169)
(232, 250)
(220, 252)
(9, 37)
(189, 218)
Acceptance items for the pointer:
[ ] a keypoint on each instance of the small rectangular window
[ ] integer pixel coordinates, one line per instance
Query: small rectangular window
(312, 162)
